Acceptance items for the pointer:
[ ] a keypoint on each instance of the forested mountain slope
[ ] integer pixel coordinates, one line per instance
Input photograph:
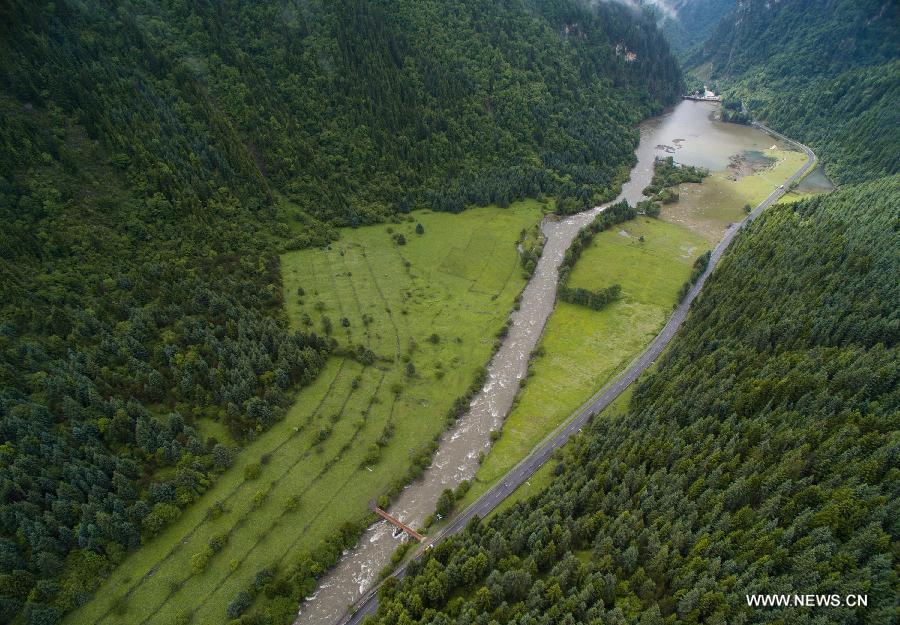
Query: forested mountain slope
(353, 109)
(826, 72)
(687, 23)
(156, 157)
(760, 457)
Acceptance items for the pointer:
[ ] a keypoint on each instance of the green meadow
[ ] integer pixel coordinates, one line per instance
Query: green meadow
(581, 349)
(429, 308)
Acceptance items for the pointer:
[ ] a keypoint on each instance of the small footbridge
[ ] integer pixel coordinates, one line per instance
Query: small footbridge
(399, 524)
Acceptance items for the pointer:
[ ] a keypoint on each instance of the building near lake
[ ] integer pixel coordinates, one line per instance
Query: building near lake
(705, 95)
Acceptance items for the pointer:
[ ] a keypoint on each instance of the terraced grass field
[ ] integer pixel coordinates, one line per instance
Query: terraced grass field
(581, 348)
(436, 303)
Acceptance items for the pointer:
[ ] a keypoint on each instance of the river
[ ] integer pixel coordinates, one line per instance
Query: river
(692, 136)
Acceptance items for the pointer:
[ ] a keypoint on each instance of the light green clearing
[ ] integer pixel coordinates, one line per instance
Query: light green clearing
(709, 207)
(462, 278)
(584, 348)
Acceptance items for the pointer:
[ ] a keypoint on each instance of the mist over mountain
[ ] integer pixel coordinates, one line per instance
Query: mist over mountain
(687, 23)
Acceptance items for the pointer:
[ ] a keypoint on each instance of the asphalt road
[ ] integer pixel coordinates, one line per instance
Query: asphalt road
(605, 396)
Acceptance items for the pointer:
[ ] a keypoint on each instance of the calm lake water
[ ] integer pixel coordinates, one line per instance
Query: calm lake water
(689, 134)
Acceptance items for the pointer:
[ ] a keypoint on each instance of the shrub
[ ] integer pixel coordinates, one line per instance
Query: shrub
(216, 510)
(263, 577)
(162, 515)
(217, 542)
(222, 456)
(201, 559)
(240, 603)
(445, 502)
(252, 471)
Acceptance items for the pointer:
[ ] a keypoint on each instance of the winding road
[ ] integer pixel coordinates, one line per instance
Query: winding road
(368, 603)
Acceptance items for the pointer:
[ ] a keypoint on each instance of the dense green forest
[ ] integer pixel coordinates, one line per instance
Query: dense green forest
(759, 457)
(825, 72)
(154, 160)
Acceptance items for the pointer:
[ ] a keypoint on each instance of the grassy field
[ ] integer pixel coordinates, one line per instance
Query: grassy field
(317, 467)
(581, 348)
(708, 208)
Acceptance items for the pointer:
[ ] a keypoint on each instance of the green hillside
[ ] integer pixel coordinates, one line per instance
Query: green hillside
(759, 457)
(825, 72)
(155, 161)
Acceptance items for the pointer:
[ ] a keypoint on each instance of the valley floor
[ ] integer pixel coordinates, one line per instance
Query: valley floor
(425, 298)
(435, 303)
(582, 349)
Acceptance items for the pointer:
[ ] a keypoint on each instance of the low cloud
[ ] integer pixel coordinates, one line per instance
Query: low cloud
(664, 6)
